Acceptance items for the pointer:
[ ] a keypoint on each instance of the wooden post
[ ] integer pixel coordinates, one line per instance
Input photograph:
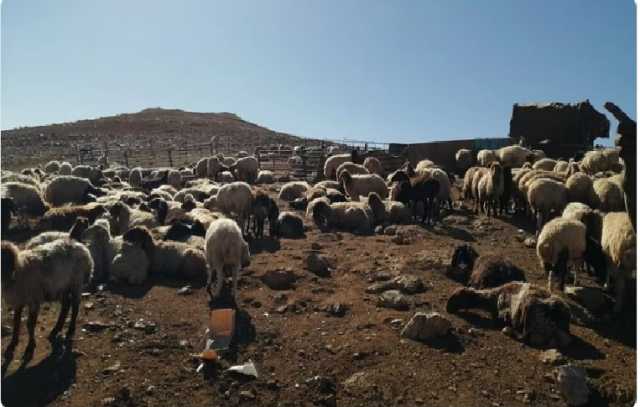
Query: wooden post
(170, 158)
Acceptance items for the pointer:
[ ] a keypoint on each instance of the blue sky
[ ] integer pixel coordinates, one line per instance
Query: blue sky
(403, 71)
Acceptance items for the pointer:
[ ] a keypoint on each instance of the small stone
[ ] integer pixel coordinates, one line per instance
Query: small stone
(150, 389)
(184, 343)
(186, 290)
(278, 279)
(552, 357)
(88, 305)
(408, 284)
(319, 265)
(96, 326)
(572, 384)
(112, 369)
(282, 309)
(390, 230)
(530, 242)
(379, 230)
(336, 310)
(426, 326)
(247, 395)
(379, 287)
(394, 299)
(280, 298)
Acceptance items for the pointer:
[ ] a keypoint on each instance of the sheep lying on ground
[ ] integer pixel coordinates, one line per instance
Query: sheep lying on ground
(26, 198)
(359, 185)
(388, 212)
(70, 190)
(56, 271)
(169, 258)
(529, 313)
(125, 218)
(350, 216)
(293, 190)
(289, 225)
(263, 208)
(480, 272)
(225, 247)
(557, 236)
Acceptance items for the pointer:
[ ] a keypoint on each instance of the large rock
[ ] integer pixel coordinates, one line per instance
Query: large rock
(591, 298)
(278, 279)
(318, 265)
(572, 384)
(426, 326)
(394, 299)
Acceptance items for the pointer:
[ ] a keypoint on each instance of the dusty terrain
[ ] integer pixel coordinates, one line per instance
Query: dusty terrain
(306, 356)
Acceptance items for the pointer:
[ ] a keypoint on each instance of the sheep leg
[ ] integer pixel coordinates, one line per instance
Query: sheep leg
(17, 316)
(219, 283)
(64, 310)
(75, 307)
(234, 278)
(34, 310)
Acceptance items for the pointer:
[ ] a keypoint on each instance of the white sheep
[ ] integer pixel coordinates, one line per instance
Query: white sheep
(490, 188)
(10, 176)
(52, 167)
(464, 159)
(466, 183)
(135, 177)
(560, 235)
(546, 164)
(125, 218)
(599, 161)
(618, 243)
(65, 168)
(93, 174)
(546, 196)
(174, 178)
(213, 167)
(312, 203)
(130, 264)
(513, 156)
(374, 166)
(486, 157)
(332, 163)
(26, 198)
(608, 195)
(293, 190)
(265, 177)
(561, 167)
(246, 169)
(352, 216)
(580, 188)
(388, 212)
(359, 185)
(576, 211)
(352, 168)
(224, 247)
(235, 198)
(423, 165)
(55, 271)
(328, 184)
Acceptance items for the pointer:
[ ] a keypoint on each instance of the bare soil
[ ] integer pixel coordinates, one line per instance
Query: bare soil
(306, 357)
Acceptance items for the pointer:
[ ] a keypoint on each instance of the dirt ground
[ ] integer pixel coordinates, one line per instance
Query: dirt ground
(306, 357)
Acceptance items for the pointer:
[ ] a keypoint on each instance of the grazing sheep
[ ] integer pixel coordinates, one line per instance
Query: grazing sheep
(486, 157)
(26, 198)
(265, 177)
(65, 168)
(8, 209)
(466, 183)
(580, 188)
(169, 258)
(351, 168)
(55, 271)
(351, 216)
(618, 243)
(332, 163)
(546, 197)
(135, 177)
(264, 207)
(374, 166)
(289, 225)
(293, 190)
(557, 236)
(531, 313)
(490, 188)
(236, 198)
(246, 169)
(464, 159)
(63, 217)
(513, 156)
(577, 211)
(68, 189)
(546, 164)
(608, 195)
(224, 247)
(125, 218)
(360, 185)
(52, 167)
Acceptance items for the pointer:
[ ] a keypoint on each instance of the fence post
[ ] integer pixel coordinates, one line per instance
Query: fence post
(170, 158)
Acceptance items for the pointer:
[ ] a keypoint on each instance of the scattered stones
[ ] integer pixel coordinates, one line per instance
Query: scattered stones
(552, 357)
(394, 299)
(319, 265)
(592, 298)
(146, 326)
(337, 309)
(426, 326)
(278, 279)
(96, 326)
(322, 384)
(530, 242)
(186, 290)
(572, 384)
(401, 239)
(379, 287)
(381, 276)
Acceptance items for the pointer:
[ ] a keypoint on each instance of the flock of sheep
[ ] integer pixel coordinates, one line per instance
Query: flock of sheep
(118, 224)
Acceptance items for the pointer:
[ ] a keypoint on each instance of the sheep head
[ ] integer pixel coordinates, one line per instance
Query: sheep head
(141, 237)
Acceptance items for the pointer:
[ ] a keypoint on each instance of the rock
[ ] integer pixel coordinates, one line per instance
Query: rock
(319, 265)
(96, 326)
(278, 279)
(112, 369)
(88, 305)
(315, 246)
(401, 239)
(280, 298)
(186, 290)
(592, 298)
(530, 242)
(381, 276)
(426, 326)
(390, 230)
(379, 287)
(357, 381)
(572, 384)
(552, 357)
(247, 395)
(394, 299)
(322, 384)
(336, 310)
(408, 284)
(379, 230)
